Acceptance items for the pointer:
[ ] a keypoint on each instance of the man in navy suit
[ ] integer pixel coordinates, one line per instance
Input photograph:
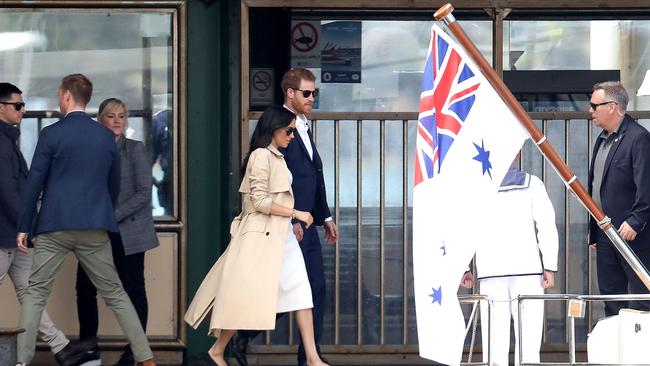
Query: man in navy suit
(619, 181)
(304, 162)
(76, 172)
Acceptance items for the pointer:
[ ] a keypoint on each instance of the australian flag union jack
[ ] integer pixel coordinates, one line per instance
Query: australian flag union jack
(448, 93)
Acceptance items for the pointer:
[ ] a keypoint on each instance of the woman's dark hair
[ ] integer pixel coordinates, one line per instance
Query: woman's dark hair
(272, 119)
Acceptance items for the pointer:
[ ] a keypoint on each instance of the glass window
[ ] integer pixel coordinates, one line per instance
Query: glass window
(126, 55)
(392, 59)
(595, 45)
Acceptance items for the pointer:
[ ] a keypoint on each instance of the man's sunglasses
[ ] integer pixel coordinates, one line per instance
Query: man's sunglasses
(17, 105)
(307, 93)
(596, 105)
(290, 130)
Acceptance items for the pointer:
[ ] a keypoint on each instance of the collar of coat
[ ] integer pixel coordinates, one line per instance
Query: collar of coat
(10, 130)
(274, 150)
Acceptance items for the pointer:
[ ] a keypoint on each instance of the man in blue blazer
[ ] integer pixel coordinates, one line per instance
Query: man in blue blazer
(304, 162)
(619, 181)
(75, 172)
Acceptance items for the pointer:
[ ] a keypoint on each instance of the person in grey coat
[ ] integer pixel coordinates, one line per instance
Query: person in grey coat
(137, 233)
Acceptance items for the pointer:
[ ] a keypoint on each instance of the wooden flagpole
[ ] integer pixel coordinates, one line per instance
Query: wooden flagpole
(569, 178)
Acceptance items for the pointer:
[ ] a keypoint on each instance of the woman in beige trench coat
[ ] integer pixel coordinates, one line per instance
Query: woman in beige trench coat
(245, 289)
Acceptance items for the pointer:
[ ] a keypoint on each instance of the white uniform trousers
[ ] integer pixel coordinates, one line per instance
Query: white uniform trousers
(504, 292)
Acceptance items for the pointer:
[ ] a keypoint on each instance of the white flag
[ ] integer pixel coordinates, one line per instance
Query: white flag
(467, 139)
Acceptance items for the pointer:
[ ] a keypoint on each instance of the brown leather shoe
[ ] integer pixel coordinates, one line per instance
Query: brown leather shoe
(149, 362)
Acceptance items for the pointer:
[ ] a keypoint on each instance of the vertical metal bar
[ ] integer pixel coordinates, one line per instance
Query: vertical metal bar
(291, 321)
(590, 282)
(359, 223)
(245, 77)
(382, 238)
(337, 258)
(314, 134)
(544, 132)
(572, 340)
(567, 226)
(489, 337)
(405, 237)
(545, 179)
(519, 326)
(497, 39)
(147, 103)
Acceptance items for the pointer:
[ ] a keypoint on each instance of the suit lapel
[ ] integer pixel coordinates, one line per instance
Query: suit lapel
(313, 147)
(593, 161)
(302, 144)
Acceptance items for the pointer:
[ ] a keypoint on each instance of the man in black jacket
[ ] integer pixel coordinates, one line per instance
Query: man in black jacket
(13, 174)
(619, 181)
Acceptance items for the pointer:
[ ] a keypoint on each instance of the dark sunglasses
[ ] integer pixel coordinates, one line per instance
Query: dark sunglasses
(290, 130)
(596, 105)
(307, 93)
(17, 105)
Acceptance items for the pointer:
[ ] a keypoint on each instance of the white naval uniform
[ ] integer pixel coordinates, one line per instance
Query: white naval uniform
(523, 245)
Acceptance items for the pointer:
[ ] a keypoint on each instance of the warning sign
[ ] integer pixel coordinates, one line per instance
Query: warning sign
(305, 44)
(261, 88)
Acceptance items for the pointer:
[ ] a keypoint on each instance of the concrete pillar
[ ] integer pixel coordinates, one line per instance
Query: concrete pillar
(8, 339)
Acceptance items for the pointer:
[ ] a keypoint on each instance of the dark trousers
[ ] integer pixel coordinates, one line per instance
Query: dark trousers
(130, 269)
(313, 255)
(616, 277)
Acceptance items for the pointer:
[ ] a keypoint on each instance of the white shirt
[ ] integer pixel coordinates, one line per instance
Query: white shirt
(302, 126)
(75, 110)
(524, 239)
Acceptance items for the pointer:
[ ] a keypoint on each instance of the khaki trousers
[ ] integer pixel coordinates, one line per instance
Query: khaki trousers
(93, 251)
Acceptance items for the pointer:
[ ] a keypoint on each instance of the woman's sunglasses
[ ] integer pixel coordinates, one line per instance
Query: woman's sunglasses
(307, 93)
(290, 130)
(17, 105)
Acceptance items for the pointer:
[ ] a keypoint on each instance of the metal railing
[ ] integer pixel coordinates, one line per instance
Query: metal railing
(571, 319)
(369, 272)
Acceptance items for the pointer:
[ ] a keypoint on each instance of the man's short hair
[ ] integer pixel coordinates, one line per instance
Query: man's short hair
(293, 77)
(6, 89)
(614, 91)
(79, 86)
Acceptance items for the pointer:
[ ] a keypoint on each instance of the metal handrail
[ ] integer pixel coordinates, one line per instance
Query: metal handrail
(475, 299)
(567, 297)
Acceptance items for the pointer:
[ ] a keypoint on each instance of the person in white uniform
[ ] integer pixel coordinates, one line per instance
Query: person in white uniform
(519, 257)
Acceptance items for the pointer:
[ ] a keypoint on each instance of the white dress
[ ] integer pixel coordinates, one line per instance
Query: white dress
(294, 292)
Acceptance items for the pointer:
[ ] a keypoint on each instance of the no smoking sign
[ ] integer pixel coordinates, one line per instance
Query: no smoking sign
(261, 87)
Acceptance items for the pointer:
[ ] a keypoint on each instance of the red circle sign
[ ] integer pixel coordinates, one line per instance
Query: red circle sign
(304, 37)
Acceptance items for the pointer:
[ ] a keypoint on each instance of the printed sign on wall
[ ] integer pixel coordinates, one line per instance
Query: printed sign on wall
(305, 44)
(341, 52)
(261, 88)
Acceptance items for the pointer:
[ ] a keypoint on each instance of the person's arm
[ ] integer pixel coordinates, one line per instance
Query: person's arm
(143, 181)
(259, 184)
(35, 183)
(638, 217)
(544, 216)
